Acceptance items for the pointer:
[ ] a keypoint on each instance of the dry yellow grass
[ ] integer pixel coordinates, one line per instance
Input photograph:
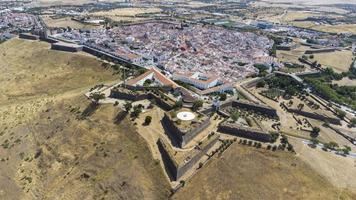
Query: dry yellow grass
(345, 82)
(291, 56)
(126, 11)
(340, 61)
(127, 14)
(342, 28)
(294, 15)
(66, 22)
(249, 173)
(42, 96)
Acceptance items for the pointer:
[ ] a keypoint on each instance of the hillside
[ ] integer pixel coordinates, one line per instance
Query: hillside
(248, 173)
(46, 151)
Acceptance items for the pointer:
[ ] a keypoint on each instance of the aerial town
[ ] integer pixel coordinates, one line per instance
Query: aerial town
(177, 100)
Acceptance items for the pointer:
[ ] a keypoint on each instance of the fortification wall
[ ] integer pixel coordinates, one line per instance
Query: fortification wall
(172, 131)
(256, 107)
(176, 171)
(320, 50)
(187, 137)
(58, 47)
(169, 163)
(316, 116)
(182, 169)
(28, 36)
(179, 137)
(248, 133)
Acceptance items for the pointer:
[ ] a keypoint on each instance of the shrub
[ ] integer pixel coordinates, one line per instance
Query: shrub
(315, 132)
(148, 120)
(274, 148)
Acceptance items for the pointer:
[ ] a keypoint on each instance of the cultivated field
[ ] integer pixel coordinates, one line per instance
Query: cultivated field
(291, 56)
(47, 151)
(259, 174)
(126, 14)
(340, 61)
(66, 22)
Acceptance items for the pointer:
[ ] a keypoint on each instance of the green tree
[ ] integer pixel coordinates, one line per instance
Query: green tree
(346, 150)
(97, 96)
(315, 132)
(178, 104)
(197, 104)
(261, 84)
(235, 116)
(137, 110)
(340, 113)
(353, 122)
(222, 96)
(148, 120)
(300, 106)
(128, 106)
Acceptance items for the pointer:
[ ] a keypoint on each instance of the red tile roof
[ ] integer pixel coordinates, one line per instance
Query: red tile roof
(157, 75)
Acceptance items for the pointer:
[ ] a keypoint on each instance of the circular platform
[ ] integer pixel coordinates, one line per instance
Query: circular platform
(186, 116)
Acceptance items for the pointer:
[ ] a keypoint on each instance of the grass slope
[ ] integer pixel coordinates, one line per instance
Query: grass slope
(46, 152)
(248, 173)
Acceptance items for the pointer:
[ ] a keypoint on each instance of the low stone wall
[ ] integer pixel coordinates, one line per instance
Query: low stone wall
(182, 138)
(248, 133)
(175, 170)
(316, 116)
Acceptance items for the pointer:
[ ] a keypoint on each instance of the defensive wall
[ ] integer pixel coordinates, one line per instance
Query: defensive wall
(133, 96)
(60, 46)
(240, 131)
(28, 36)
(313, 115)
(316, 116)
(177, 170)
(325, 50)
(180, 137)
(264, 109)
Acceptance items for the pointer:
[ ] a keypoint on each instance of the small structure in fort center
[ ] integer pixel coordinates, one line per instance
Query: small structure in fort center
(185, 116)
(183, 126)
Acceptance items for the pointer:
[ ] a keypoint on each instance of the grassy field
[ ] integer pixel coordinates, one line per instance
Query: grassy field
(66, 22)
(291, 56)
(259, 174)
(345, 82)
(342, 28)
(340, 61)
(46, 152)
(126, 14)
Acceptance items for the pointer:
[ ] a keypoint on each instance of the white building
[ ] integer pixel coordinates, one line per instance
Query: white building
(197, 79)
